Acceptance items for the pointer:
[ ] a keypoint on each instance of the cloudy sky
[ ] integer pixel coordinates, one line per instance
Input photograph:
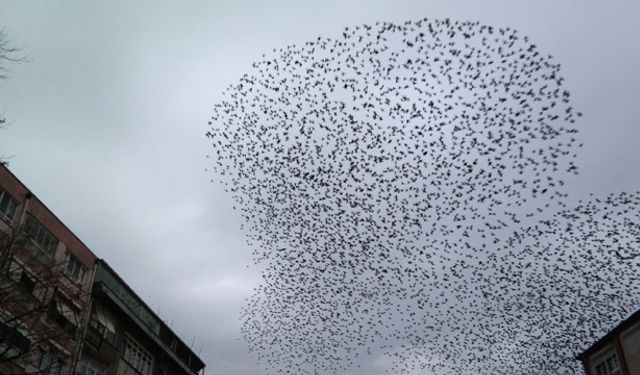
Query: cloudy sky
(108, 115)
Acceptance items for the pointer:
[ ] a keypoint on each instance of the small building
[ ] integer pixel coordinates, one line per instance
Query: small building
(617, 353)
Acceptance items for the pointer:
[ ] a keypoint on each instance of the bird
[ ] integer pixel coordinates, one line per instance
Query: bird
(403, 187)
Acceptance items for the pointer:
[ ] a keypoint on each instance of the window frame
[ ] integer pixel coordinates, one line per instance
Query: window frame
(76, 266)
(24, 277)
(136, 356)
(67, 311)
(49, 362)
(17, 330)
(86, 367)
(103, 323)
(40, 236)
(6, 198)
(603, 359)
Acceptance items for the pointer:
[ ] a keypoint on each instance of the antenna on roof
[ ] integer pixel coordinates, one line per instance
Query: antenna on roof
(200, 350)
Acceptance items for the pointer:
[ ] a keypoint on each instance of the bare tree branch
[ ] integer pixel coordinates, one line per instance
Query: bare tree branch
(8, 53)
(30, 295)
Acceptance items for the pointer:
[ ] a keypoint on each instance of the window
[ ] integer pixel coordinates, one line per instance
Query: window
(40, 236)
(27, 282)
(607, 364)
(137, 357)
(7, 206)
(73, 268)
(22, 277)
(14, 341)
(64, 310)
(103, 323)
(50, 363)
(90, 367)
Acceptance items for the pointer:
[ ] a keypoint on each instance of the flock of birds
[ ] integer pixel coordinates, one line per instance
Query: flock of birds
(403, 190)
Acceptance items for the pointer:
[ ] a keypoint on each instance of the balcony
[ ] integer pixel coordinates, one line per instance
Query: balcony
(108, 284)
(102, 349)
(130, 300)
(13, 342)
(39, 253)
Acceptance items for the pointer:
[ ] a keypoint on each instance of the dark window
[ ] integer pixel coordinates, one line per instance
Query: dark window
(608, 365)
(103, 323)
(27, 282)
(12, 342)
(63, 312)
(40, 236)
(7, 206)
(50, 363)
(73, 268)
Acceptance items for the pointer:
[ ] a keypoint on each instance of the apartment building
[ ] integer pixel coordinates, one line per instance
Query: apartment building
(46, 275)
(64, 311)
(125, 337)
(616, 353)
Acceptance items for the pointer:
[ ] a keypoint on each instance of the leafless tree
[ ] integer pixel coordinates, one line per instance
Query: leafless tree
(8, 54)
(36, 306)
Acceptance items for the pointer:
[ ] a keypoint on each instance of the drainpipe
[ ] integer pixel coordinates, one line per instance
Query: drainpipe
(85, 323)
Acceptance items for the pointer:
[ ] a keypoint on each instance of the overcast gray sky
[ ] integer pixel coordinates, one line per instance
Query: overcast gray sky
(108, 117)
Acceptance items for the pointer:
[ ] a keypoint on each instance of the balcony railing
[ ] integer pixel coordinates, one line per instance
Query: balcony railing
(133, 303)
(12, 342)
(38, 253)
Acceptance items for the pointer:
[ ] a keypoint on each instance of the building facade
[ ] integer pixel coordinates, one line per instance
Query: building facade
(46, 276)
(617, 353)
(125, 337)
(64, 311)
